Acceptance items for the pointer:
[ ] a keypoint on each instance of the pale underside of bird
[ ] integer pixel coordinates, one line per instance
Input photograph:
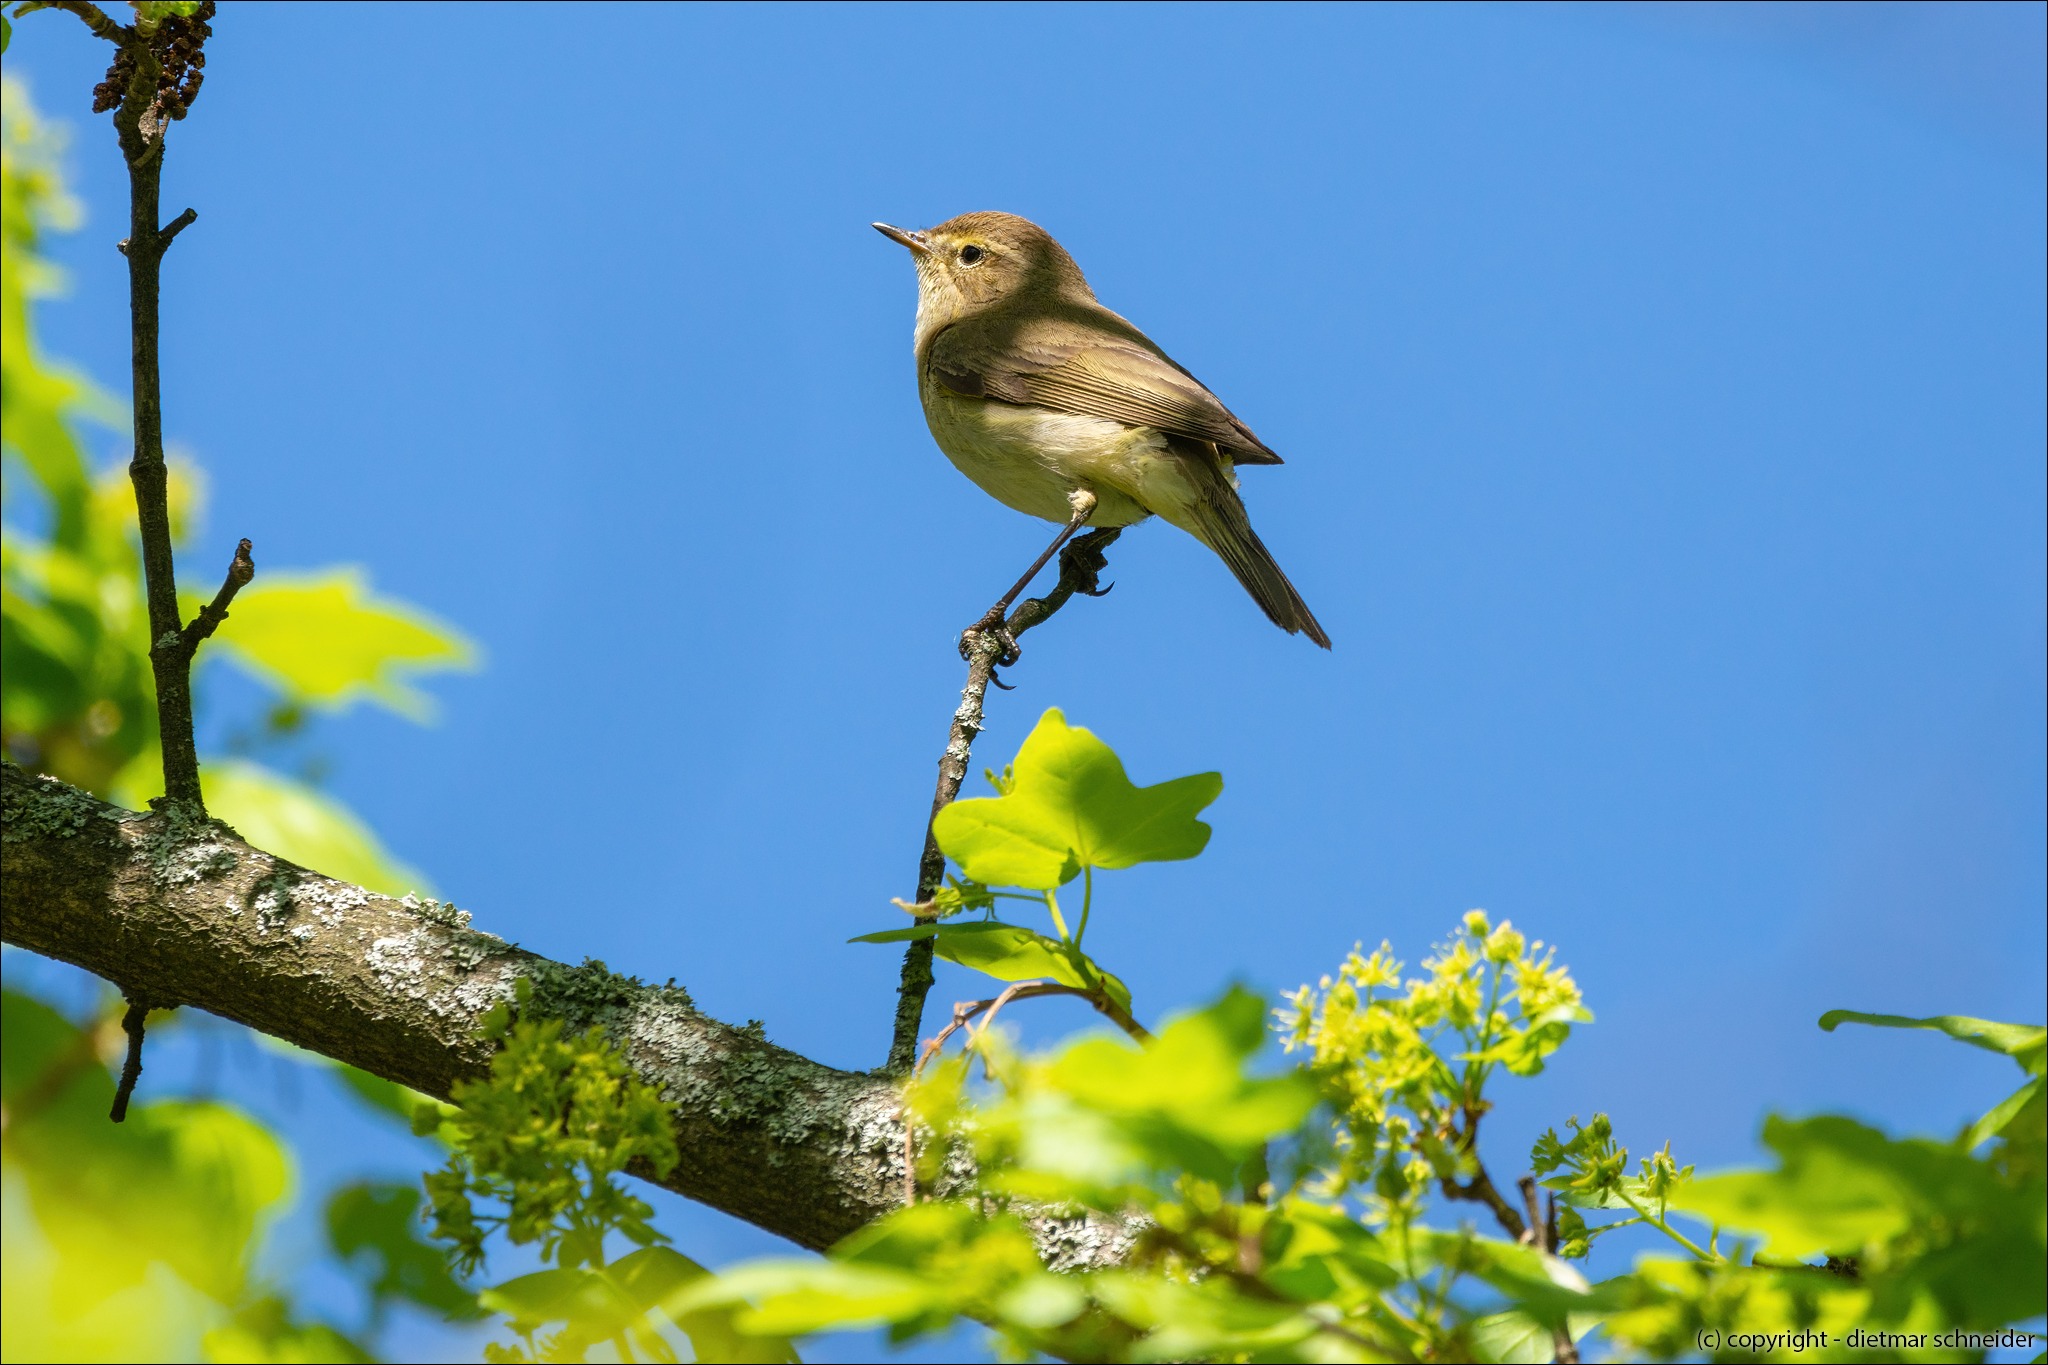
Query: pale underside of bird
(1059, 408)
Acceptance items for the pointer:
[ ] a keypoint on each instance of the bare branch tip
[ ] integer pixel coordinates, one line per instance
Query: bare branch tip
(241, 570)
(131, 1070)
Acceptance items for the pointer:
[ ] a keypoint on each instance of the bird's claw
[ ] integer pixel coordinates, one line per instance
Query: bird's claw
(1083, 559)
(996, 625)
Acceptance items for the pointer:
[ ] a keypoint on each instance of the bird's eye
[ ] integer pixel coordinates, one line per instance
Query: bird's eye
(972, 255)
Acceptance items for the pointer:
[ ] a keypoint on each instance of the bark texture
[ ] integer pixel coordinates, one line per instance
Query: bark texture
(178, 910)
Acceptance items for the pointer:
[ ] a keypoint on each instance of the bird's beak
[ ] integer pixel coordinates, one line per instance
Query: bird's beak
(914, 240)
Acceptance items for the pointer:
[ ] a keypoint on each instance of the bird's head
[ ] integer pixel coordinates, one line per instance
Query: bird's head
(975, 262)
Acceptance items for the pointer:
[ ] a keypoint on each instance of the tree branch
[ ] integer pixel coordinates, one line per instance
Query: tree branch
(132, 1021)
(155, 75)
(240, 570)
(177, 909)
(1081, 565)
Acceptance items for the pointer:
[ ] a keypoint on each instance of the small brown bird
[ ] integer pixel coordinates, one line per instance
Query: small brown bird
(1059, 408)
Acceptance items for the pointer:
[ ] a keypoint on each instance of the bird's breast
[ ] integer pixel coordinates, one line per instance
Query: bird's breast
(1031, 458)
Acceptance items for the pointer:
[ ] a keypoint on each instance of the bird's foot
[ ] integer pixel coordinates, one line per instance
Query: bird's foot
(1083, 560)
(994, 625)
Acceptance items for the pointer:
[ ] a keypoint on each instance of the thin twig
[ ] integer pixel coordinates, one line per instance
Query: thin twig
(155, 75)
(1480, 1189)
(966, 1010)
(1542, 1234)
(963, 1011)
(179, 224)
(1081, 564)
(240, 570)
(1532, 1235)
(131, 1070)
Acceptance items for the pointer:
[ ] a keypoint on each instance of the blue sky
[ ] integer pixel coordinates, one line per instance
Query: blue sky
(1661, 394)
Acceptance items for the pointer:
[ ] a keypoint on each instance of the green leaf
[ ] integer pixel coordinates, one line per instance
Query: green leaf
(1841, 1186)
(583, 1297)
(788, 1297)
(1008, 952)
(1183, 1096)
(2003, 1113)
(265, 1331)
(376, 1225)
(297, 823)
(2026, 1044)
(325, 639)
(1070, 806)
(656, 1277)
(1515, 1338)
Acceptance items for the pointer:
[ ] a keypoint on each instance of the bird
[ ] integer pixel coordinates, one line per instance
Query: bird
(1063, 410)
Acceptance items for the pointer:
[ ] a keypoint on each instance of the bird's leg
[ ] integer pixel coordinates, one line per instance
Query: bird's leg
(1082, 501)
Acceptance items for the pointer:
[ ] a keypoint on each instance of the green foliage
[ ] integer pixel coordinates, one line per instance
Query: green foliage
(2023, 1111)
(376, 1225)
(143, 1240)
(77, 695)
(1063, 809)
(623, 1304)
(1066, 805)
(1406, 1064)
(326, 640)
(133, 1241)
(1852, 1229)
(1162, 1146)
(1312, 1213)
(543, 1139)
(537, 1149)
(1010, 952)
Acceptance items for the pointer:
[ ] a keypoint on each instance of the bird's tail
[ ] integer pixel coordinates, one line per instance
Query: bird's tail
(1219, 521)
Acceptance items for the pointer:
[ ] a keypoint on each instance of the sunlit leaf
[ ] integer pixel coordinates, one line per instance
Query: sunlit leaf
(1840, 1186)
(327, 640)
(1069, 805)
(787, 1298)
(1008, 952)
(657, 1277)
(583, 1297)
(2026, 1044)
(1188, 1082)
(266, 1333)
(2002, 1115)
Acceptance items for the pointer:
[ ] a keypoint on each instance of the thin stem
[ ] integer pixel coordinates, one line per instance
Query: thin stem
(1081, 564)
(1059, 921)
(1087, 901)
(1475, 1071)
(1542, 1235)
(1658, 1223)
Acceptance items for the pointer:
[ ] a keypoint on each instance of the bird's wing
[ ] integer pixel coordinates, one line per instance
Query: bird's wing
(1098, 375)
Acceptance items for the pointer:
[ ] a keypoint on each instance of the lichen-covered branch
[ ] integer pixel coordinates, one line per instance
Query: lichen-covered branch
(175, 909)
